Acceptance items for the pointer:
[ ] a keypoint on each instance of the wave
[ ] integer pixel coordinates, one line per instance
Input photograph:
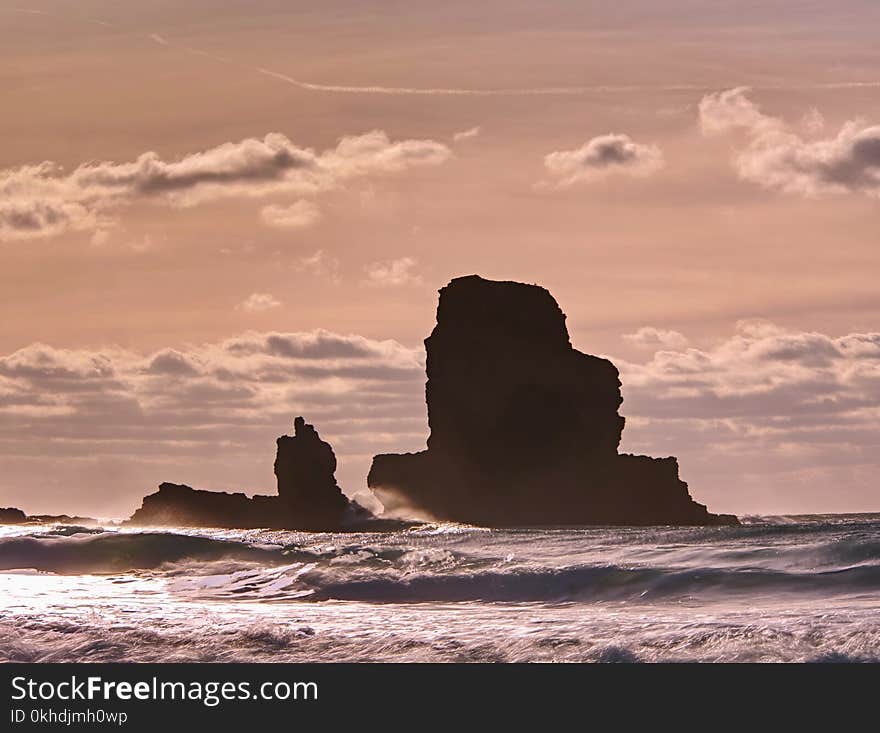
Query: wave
(654, 565)
(577, 584)
(78, 550)
(111, 552)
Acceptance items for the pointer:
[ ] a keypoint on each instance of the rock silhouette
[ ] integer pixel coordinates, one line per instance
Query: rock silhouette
(11, 515)
(183, 506)
(305, 467)
(308, 496)
(524, 428)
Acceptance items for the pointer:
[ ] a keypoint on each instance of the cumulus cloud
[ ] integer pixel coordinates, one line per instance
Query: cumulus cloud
(649, 337)
(778, 157)
(771, 410)
(393, 273)
(603, 155)
(257, 302)
(32, 218)
(42, 200)
(114, 422)
(299, 215)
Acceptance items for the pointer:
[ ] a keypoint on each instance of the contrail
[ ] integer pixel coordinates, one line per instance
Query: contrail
(505, 92)
(452, 91)
(465, 92)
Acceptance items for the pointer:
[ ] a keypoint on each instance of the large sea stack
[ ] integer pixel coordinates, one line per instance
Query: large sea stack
(524, 428)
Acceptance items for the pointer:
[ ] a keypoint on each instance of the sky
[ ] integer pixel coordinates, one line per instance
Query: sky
(215, 217)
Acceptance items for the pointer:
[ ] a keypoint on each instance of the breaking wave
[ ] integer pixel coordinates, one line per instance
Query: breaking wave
(774, 589)
(456, 564)
(111, 552)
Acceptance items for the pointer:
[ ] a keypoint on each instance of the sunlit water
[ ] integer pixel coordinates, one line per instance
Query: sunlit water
(775, 589)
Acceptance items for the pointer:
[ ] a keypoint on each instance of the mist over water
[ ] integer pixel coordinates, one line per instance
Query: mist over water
(774, 589)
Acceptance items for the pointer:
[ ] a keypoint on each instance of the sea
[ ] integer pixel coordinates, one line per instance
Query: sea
(775, 589)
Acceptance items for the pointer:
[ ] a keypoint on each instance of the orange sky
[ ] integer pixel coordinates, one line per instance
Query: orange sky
(222, 174)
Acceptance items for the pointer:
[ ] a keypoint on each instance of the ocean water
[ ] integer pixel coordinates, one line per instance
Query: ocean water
(777, 589)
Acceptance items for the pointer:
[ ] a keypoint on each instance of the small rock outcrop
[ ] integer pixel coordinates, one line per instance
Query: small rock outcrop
(11, 515)
(524, 428)
(308, 496)
(183, 506)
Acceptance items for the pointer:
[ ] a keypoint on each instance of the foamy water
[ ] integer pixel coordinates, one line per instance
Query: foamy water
(775, 589)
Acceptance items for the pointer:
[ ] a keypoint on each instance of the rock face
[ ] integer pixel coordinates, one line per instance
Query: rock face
(524, 428)
(308, 496)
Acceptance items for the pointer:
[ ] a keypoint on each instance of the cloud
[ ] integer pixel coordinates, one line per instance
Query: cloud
(393, 273)
(649, 337)
(782, 413)
(320, 265)
(603, 155)
(769, 419)
(257, 302)
(41, 200)
(109, 424)
(466, 134)
(33, 218)
(777, 157)
(298, 215)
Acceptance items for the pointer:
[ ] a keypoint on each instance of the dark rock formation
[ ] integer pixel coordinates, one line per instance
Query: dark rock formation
(305, 467)
(182, 506)
(308, 496)
(11, 515)
(524, 428)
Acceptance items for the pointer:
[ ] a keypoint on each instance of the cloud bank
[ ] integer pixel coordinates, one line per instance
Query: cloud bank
(770, 418)
(778, 157)
(42, 200)
(771, 414)
(93, 430)
(602, 156)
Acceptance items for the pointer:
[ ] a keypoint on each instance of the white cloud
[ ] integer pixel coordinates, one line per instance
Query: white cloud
(813, 122)
(601, 156)
(768, 417)
(393, 273)
(41, 200)
(466, 134)
(777, 157)
(257, 302)
(649, 337)
(298, 215)
(320, 265)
